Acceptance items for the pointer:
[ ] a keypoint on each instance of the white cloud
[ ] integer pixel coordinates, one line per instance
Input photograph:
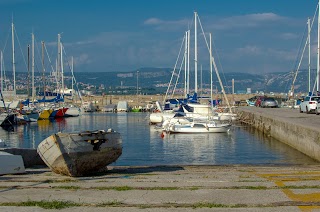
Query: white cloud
(159, 24)
(249, 50)
(248, 21)
(288, 35)
(82, 59)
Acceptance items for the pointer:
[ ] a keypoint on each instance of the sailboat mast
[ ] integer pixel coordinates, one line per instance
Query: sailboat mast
(211, 71)
(13, 60)
(62, 77)
(1, 67)
(43, 70)
(185, 64)
(28, 78)
(188, 68)
(58, 65)
(318, 59)
(195, 54)
(309, 62)
(72, 78)
(137, 82)
(32, 79)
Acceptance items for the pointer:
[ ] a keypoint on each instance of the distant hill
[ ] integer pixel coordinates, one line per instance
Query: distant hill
(156, 80)
(159, 78)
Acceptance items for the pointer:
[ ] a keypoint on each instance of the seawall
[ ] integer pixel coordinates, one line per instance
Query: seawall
(298, 130)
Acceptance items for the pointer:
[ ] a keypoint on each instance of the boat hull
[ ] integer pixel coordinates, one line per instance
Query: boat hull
(61, 112)
(79, 154)
(72, 112)
(199, 128)
(45, 114)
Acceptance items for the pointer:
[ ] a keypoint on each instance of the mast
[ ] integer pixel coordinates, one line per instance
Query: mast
(185, 64)
(210, 54)
(196, 54)
(309, 62)
(32, 71)
(72, 79)
(188, 65)
(62, 77)
(318, 59)
(28, 78)
(58, 64)
(1, 67)
(13, 60)
(43, 70)
(137, 82)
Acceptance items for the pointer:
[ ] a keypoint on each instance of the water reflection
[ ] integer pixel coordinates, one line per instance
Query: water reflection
(144, 145)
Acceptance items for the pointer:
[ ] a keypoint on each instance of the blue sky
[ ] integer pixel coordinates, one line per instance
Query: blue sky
(252, 36)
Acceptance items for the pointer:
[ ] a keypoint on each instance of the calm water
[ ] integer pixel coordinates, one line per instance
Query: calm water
(143, 145)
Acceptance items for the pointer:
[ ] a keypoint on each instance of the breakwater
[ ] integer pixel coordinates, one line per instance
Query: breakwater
(298, 130)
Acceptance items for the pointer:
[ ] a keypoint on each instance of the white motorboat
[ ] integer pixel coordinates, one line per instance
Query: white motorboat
(80, 153)
(197, 127)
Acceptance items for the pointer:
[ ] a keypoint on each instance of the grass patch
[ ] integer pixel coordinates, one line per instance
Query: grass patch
(128, 188)
(67, 180)
(67, 187)
(112, 203)
(250, 187)
(55, 204)
(209, 205)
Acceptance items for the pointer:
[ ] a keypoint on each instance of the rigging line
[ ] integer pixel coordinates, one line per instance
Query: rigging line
(296, 60)
(45, 47)
(184, 37)
(75, 81)
(212, 60)
(23, 57)
(8, 37)
(178, 76)
(305, 46)
(214, 47)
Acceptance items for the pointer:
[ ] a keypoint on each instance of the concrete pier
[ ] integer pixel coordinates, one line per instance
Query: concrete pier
(166, 188)
(298, 130)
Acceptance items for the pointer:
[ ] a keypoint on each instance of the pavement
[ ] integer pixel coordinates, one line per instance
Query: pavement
(166, 188)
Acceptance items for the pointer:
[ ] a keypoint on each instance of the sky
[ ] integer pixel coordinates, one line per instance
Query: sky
(250, 36)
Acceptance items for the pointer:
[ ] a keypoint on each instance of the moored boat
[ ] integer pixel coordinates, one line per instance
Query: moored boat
(45, 113)
(80, 153)
(198, 127)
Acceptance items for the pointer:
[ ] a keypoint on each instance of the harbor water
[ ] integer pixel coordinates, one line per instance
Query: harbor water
(144, 145)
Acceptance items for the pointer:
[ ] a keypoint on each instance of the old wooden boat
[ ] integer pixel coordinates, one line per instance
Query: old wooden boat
(80, 153)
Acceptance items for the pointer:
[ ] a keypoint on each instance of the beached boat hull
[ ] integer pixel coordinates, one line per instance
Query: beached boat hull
(78, 154)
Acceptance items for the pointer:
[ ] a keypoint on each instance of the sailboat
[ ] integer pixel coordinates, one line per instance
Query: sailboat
(30, 114)
(72, 111)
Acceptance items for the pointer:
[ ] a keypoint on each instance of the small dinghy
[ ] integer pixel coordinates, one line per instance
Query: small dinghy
(82, 153)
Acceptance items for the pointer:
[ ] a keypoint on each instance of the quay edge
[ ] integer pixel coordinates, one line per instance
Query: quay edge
(298, 130)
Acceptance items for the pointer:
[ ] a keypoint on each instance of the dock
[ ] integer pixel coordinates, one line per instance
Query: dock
(166, 188)
(298, 130)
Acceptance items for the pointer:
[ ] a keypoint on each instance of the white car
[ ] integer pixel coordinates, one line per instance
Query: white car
(309, 104)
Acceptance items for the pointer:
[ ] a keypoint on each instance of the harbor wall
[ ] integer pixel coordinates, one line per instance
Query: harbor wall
(300, 136)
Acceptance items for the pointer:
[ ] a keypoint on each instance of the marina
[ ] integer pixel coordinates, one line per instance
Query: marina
(143, 144)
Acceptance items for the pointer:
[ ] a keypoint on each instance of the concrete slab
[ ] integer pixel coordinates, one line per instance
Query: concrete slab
(169, 188)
